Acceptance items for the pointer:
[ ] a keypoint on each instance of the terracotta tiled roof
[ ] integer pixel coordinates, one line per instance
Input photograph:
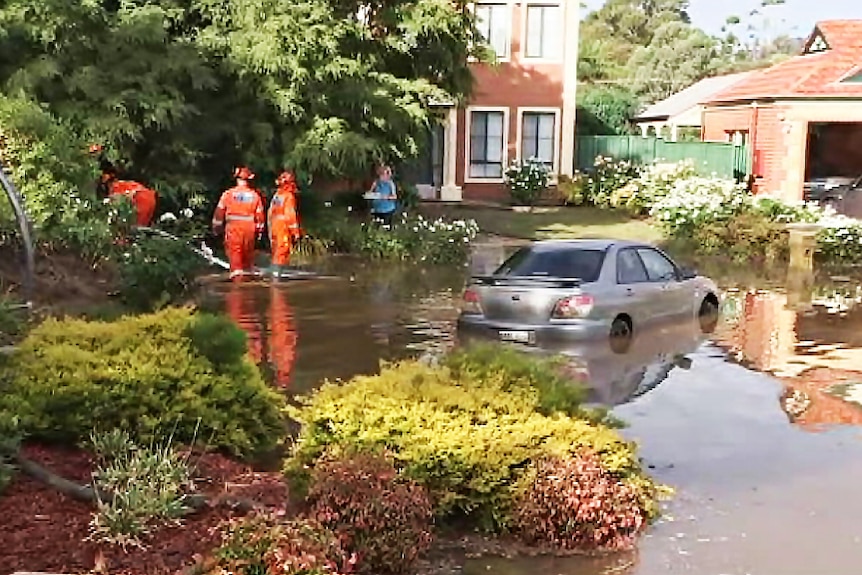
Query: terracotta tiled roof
(816, 74)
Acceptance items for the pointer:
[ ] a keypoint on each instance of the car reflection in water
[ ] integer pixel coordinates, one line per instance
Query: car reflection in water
(615, 378)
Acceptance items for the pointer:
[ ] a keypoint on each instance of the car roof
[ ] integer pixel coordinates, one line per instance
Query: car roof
(586, 244)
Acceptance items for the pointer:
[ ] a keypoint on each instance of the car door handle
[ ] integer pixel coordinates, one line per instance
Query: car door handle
(630, 292)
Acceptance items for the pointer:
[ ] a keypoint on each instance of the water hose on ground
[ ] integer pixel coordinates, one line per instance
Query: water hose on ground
(207, 255)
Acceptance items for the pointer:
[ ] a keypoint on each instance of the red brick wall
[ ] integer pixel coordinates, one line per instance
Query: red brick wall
(765, 138)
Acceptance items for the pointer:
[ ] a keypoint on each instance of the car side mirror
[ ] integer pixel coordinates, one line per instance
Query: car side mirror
(687, 274)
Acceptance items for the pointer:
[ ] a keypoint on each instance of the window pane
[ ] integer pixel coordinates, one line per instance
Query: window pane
(550, 31)
(495, 149)
(530, 125)
(529, 148)
(658, 267)
(495, 123)
(545, 151)
(494, 171)
(483, 21)
(562, 263)
(500, 29)
(534, 31)
(630, 268)
(546, 126)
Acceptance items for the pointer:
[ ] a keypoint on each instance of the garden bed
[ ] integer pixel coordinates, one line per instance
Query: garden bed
(46, 531)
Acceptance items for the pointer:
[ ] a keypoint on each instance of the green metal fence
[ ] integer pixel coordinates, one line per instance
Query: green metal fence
(725, 160)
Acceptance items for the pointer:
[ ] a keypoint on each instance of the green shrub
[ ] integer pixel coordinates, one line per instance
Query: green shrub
(143, 374)
(527, 180)
(557, 391)
(467, 439)
(218, 339)
(384, 519)
(156, 271)
(607, 176)
(571, 190)
(652, 184)
(841, 243)
(271, 544)
(10, 442)
(745, 236)
(147, 488)
(574, 503)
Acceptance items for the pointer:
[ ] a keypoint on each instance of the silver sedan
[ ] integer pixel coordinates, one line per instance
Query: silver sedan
(552, 293)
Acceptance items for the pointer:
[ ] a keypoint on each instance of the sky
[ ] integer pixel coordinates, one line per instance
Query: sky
(796, 17)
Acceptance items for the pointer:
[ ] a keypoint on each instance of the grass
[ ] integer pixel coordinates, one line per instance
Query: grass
(553, 222)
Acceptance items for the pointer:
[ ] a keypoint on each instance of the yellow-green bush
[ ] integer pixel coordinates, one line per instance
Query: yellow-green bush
(467, 439)
(147, 374)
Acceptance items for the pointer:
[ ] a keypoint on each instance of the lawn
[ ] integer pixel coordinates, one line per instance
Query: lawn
(552, 223)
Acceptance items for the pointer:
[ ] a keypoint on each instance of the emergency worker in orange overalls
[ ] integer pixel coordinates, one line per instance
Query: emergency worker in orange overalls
(143, 198)
(240, 213)
(283, 221)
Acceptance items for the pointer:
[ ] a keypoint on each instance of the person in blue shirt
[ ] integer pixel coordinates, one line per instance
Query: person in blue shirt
(383, 208)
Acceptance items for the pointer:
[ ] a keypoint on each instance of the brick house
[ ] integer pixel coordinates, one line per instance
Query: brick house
(802, 117)
(522, 106)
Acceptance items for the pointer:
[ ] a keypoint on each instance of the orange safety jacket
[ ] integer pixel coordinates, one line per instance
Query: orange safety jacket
(239, 204)
(283, 211)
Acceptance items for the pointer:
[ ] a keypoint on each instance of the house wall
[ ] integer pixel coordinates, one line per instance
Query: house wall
(779, 137)
(520, 84)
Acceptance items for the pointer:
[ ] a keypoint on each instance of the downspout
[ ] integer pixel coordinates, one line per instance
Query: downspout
(752, 130)
(26, 234)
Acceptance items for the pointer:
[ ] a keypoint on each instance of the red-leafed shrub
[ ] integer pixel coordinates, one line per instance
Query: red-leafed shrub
(575, 503)
(270, 544)
(383, 518)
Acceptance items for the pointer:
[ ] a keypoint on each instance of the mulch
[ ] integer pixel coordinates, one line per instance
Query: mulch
(42, 530)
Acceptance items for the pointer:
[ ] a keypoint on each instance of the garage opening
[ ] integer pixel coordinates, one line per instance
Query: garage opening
(833, 170)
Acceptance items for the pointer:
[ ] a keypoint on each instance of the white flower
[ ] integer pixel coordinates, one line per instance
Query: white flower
(168, 217)
(188, 213)
(327, 204)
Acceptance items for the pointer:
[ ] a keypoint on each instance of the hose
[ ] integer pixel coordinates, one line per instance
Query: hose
(25, 229)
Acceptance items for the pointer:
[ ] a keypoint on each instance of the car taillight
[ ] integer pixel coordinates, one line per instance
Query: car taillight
(573, 306)
(471, 302)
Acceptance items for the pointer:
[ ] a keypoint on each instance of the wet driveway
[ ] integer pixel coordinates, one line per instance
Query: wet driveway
(755, 426)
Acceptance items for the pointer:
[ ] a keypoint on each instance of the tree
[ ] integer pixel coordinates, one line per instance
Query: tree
(181, 90)
(677, 57)
(606, 110)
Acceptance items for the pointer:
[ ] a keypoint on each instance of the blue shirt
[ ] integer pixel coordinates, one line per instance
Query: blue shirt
(384, 188)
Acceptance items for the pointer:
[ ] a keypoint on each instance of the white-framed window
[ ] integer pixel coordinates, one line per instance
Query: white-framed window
(494, 22)
(543, 39)
(539, 135)
(487, 142)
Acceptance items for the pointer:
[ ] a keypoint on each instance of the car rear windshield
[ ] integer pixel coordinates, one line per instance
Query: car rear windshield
(580, 263)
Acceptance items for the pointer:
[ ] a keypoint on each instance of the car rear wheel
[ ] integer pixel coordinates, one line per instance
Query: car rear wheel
(621, 335)
(707, 315)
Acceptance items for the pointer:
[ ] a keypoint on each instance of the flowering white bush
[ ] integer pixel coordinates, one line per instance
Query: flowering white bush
(695, 201)
(608, 175)
(654, 183)
(527, 181)
(841, 239)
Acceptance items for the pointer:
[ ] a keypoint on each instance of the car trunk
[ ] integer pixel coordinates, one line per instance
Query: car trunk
(523, 300)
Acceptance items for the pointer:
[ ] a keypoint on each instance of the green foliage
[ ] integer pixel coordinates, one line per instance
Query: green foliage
(653, 183)
(840, 243)
(144, 374)
(743, 238)
(527, 180)
(380, 517)
(218, 339)
(607, 176)
(606, 110)
(271, 544)
(467, 439)
(146, 488)
(572, 190)
(10, 442)
(156, 271)
(411, 238)
(179, 92)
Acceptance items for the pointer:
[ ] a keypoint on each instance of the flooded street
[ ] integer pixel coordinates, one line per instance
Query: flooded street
(755, 426)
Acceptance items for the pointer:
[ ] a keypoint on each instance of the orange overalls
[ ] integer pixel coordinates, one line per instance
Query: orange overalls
(283, 223)
(143, 198)
(240, 210)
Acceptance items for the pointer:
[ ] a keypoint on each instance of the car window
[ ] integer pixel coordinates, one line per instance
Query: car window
(658, 267)
(584, 264)
(630, 268)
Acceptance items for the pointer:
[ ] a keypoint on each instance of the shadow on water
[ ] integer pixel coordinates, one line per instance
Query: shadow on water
(727, 419)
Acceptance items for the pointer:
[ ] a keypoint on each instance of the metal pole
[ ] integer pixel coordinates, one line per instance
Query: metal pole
(26, 233)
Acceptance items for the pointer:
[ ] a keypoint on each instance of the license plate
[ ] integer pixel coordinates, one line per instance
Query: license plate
(518, 336)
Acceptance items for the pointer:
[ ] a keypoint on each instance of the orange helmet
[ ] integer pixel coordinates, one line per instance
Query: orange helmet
(243, 173)
(285, 177)
(96, 148)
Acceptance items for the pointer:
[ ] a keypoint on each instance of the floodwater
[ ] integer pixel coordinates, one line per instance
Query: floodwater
(756, 427)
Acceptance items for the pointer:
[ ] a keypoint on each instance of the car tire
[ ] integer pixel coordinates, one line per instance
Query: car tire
(707, 316)
(620, 336)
